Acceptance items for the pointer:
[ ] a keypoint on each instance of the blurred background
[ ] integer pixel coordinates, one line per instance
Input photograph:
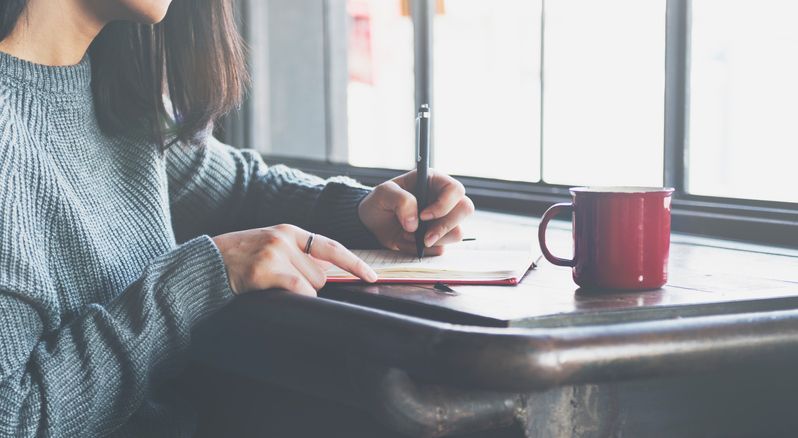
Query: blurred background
(541, 94)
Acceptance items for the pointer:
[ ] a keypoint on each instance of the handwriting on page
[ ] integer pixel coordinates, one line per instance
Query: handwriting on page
(460, 259)
(483, 259)
(389, 258)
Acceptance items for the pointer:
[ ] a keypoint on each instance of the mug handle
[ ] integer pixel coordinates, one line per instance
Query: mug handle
(544, 223)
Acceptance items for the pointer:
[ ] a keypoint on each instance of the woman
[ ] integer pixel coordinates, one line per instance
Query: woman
(101, 182)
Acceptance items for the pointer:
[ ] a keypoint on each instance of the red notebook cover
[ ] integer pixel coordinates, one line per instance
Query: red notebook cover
(386, 279)
(506, 281)
(461, 265)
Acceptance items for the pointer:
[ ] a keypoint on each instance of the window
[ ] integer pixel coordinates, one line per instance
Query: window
(380, 89)
(488, 58)
(532, 96)
(743, 129)
(604, 92)
(487, 89)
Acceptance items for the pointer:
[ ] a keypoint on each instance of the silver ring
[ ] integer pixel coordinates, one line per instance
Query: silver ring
(310, 242)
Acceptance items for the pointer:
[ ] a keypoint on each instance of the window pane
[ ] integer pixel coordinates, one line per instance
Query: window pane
(743, 135)
(603, 92)
(486, 107)
(381, 85)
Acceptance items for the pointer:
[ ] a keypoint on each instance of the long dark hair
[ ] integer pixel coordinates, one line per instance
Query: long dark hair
(195, 55)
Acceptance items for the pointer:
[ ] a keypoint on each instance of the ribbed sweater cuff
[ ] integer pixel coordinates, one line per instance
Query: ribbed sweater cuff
(199, 284)
(336, 215)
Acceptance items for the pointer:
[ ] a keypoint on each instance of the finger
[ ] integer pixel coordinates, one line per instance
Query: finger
(410, 248)
(441, 227)
(324, 248)
(293, 281)
(447, 192)
(407, 180)
(310, 269)
(453, 236)
(409, 237)
(398, 200)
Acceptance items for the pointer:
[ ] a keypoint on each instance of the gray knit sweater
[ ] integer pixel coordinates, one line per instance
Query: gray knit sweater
(97, 299)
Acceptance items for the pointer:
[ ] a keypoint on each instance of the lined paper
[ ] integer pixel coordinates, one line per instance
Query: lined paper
(471, 261)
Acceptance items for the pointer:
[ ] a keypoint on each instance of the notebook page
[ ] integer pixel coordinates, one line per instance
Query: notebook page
(385, 261)
(496, 260)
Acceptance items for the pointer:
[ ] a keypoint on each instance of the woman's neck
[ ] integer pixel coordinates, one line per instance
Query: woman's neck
(53, 32)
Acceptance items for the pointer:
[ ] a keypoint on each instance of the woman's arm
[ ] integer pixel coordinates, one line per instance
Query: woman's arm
(88, 377)
(215, 189)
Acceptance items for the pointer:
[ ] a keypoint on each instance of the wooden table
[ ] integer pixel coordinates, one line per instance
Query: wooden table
(711, 354)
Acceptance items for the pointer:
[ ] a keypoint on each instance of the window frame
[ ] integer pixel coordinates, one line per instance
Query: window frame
(766, 222)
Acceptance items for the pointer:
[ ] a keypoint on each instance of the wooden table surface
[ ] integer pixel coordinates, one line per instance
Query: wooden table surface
(706, 277)
(710, 354)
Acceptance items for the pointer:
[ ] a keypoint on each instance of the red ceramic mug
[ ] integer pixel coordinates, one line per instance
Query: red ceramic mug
(621, 237)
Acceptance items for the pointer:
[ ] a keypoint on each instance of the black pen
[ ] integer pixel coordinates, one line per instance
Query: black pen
(422, 172)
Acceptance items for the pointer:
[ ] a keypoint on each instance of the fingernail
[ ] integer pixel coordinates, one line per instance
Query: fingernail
(372, 276)
(411, 223)
(425, 216)
(431, 239)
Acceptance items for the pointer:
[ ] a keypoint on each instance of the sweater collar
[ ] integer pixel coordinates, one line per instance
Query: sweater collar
(53, 79)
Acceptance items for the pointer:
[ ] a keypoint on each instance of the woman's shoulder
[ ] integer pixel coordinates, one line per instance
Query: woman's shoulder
(17, 140)
(21, 272)
(16, 156)
(9, 133)
(9, 115)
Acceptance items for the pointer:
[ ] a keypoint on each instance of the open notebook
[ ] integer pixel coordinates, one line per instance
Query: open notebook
(463, 263)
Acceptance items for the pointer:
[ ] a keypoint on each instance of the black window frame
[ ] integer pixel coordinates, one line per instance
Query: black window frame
(764, 222)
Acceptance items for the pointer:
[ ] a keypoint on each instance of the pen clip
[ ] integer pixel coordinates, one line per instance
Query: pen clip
(423, 113)
(418, 138)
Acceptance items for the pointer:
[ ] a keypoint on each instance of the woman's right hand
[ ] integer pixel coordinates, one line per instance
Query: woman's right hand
(274, 257)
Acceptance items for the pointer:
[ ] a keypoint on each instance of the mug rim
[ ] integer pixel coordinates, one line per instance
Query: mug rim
(621, 190)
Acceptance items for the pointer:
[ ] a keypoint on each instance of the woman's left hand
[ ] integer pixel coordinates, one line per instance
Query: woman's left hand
(391, 213)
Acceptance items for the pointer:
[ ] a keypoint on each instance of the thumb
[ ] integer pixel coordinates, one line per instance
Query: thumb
(401, 202)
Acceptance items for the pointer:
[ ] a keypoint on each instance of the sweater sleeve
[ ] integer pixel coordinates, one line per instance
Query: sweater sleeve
(215, 188)
(88, 376)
